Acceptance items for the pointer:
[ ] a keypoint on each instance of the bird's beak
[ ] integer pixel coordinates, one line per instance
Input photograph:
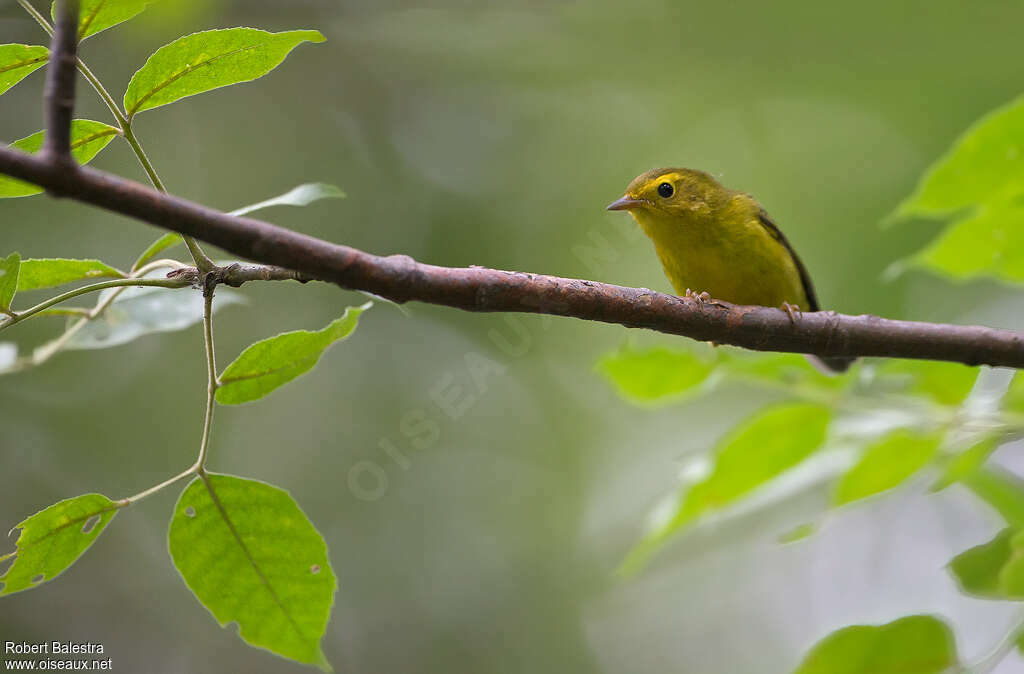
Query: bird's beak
(626, 203)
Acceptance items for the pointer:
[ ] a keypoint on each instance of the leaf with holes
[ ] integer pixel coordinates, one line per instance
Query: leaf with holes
(54, 271)
(921, 644)
(18, 61)
(209, 60)
(251, 556)
(886, 463)
(9, 268)
(99, 15)
(273, 362)
(52, 539)
(87, 139)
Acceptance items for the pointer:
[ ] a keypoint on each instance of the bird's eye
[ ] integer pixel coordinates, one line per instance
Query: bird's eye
(665, 190)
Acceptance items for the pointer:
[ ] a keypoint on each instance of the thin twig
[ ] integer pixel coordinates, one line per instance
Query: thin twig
(201, 259)
(60, 82)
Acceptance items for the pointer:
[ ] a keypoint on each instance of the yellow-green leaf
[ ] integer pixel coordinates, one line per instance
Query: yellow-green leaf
(50, 272)
(977, 569)
(655, 374)
(9, 270)
(1013, 401)
(252, 557)
(1001, 489)
(945, 383)
(966, 462)
(273, 362)
(52, 539)
(209, 60)
(919, 644)
(987, 243)
(18, 61)
(87, 139)
(759, 449)
(985, 163)
(886, 463)
(99, 15)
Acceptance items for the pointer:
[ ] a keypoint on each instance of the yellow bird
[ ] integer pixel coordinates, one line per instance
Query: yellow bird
(719, 241)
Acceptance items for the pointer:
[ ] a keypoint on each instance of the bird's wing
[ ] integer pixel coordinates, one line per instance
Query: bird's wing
(805, 278)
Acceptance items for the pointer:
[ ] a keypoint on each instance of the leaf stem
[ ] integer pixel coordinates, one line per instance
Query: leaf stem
(77, 292)
(46, 351)
(202, 260)
(991, 660)
(211, 379)
(130, 500)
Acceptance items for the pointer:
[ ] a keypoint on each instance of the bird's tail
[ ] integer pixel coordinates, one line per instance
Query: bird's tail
(831, 365)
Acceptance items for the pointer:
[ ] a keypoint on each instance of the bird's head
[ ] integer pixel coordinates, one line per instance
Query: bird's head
(680, 192)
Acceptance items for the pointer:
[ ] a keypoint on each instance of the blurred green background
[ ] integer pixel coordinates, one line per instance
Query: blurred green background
(494, 134)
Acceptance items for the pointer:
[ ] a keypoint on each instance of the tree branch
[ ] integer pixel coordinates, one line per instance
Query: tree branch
(59, 97)
(400, 278)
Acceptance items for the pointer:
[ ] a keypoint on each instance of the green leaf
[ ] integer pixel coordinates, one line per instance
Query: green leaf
(1011, 576)
(985, 163)
(303, 195)
(758, 450)
(1001, 489)
(87, 139)
(157, 247)
(761, 448)
(251, 556)
(18, 61)
(774, 368)
(203, 61)
(945, 383)
(275, 361)
(966, 462)
(49, 272)
(99, 15)
(654, 374)
(886, 463)
(1013, 401)
(52, 539)
(9, 268)
(139, 311)
(918, 644)
(987, 243)
(977, 569)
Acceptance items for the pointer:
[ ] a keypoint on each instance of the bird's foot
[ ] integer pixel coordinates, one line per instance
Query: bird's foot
(793, 310)
(700, 298)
